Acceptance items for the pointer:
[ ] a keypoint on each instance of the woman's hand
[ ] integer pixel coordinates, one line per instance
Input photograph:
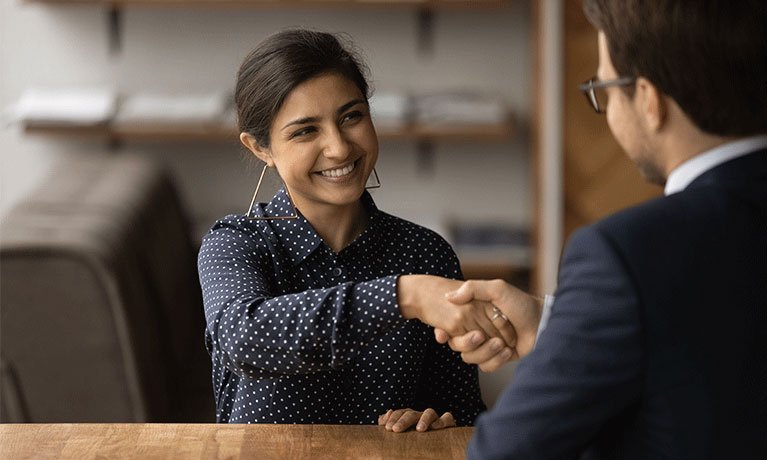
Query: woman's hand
(424, 297)
(402, 419)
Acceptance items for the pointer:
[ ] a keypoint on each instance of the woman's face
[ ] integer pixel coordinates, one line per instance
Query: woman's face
(323, 142)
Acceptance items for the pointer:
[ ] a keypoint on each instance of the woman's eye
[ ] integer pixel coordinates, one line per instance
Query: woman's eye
(356, 115)
(303, 132)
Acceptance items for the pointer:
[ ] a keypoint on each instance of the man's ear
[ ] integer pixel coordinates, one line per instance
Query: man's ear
(263, 154)
(651, 104)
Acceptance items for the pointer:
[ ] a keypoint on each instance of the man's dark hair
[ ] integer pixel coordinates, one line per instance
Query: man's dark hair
(708, 55)
(279, 64)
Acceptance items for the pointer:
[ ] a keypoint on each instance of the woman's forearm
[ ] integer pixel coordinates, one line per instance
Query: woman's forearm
(304, 332)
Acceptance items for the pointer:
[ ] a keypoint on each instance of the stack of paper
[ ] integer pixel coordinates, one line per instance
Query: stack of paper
(459, 108)
(71, 107)
(390, 109)
(153, 109)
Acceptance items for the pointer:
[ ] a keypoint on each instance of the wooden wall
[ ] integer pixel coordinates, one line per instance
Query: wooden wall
(599, 178)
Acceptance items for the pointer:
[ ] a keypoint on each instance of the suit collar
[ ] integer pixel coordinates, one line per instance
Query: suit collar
(745, 168)
(696, 166)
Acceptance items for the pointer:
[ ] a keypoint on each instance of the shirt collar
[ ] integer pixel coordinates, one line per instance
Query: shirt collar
(691, 169)
(299, 237)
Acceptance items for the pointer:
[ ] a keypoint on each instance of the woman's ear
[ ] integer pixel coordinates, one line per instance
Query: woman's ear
(263, 154)
(652, 104)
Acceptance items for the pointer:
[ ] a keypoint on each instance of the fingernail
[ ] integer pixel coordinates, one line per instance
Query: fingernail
(495, 345)
(476, 339)
(506, 354)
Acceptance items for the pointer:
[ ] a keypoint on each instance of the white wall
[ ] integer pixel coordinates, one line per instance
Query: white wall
(176, 49)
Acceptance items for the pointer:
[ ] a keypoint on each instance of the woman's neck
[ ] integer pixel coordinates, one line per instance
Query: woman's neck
(338, 226)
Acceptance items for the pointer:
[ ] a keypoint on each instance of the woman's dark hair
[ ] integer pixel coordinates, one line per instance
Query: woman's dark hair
(707, 55)
(282, 62)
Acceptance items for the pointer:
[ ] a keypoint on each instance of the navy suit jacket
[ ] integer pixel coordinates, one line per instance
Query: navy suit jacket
(656, 347)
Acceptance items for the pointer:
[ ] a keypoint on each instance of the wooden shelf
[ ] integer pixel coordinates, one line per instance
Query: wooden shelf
(219, 132)
(429, 4)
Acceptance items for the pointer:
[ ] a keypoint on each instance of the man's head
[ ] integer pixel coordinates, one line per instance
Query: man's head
(700, 69)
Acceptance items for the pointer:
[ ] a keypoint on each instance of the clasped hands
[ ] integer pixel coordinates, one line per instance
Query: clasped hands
(489, 322)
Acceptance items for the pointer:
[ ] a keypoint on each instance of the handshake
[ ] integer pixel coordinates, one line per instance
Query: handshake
(489, 322)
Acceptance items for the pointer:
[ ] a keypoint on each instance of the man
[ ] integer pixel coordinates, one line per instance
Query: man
(656, 343)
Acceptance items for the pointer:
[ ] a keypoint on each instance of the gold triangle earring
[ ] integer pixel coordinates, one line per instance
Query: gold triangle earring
(376, 185)
(253, 201)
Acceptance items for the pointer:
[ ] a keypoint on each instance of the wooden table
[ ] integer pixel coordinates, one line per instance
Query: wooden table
(210, 441)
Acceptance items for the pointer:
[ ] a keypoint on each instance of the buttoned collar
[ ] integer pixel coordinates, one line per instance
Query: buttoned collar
(298, 236)
(691, 169)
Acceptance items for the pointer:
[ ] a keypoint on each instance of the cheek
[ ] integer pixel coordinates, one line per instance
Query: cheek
(616, 122)
(368, 140)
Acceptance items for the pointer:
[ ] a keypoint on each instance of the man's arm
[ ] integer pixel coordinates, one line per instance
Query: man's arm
(585, 369)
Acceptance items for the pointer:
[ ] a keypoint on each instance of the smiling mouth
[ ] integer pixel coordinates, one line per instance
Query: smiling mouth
(340, 171)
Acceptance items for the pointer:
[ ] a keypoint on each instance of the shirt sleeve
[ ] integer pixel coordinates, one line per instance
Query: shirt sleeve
(447, 383)
(548, 301)
(259, 334)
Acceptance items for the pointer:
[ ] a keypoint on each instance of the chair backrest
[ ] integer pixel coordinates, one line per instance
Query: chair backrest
(100, 311)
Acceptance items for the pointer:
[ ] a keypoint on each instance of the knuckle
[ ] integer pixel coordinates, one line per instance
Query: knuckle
(496, 284)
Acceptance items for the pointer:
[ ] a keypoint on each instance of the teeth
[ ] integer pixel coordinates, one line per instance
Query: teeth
(338, 172)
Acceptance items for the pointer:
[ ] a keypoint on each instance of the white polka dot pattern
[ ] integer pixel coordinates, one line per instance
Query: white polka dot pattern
(300, 334)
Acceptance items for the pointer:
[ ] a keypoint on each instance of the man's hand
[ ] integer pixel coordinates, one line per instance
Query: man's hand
(522, 310)
(423, 297)
(490, 355)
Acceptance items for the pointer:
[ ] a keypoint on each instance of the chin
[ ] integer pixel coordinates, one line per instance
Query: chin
(345, 197)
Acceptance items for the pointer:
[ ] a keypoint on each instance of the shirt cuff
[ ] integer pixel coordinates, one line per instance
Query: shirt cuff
(548, 301)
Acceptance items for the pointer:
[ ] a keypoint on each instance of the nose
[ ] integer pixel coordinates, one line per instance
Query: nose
(337, 146)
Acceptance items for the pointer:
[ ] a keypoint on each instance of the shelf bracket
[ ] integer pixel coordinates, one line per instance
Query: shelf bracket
(425, 157)
(115, 29)
(425, 32)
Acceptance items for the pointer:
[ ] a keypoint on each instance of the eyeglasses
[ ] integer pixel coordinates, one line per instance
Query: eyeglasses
(596, 93)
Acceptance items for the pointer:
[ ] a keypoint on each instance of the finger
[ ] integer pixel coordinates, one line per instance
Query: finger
(445, 421)
(484, 323)
(467, 342)
(383, 418)
(427, 418)
(394, 418)
(486, 290)
(484, 352)
(407, 420)
(441, 335)
(463, 294)
(502, 323)
(497, 361)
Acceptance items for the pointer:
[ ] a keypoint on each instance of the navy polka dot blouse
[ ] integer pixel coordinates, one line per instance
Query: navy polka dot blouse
(300, 334)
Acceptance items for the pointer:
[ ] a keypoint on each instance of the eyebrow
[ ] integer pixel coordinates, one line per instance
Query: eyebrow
(342, 109)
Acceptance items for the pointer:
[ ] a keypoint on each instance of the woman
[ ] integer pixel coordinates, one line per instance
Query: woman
(305, 299)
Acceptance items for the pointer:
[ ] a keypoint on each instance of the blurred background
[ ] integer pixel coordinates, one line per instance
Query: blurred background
(118, 150)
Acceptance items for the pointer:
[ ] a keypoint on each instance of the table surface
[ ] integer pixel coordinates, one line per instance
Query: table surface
(211, 441)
